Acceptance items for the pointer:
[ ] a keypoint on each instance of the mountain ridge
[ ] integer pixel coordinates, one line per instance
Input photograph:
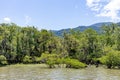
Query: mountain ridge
(96, 26)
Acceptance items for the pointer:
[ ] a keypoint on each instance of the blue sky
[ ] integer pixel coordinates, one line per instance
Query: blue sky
(58, 14)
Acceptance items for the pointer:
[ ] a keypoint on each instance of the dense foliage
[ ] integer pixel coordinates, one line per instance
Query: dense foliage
(30, 45)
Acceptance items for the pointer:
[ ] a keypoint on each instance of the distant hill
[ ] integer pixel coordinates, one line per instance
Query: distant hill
(96, 26)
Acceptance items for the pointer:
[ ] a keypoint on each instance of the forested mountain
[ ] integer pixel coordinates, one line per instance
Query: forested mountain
(96, 26)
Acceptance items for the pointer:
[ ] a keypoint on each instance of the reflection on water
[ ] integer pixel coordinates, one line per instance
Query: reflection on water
(37, 73)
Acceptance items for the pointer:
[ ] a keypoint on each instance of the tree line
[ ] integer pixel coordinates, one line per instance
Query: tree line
(30, 45)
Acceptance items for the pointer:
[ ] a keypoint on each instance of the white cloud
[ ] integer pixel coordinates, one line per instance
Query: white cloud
(105, 8)
(93, 4)
(27, 19)
(6, 20)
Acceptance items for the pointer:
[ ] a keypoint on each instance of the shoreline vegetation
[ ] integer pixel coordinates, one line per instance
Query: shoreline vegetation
(74, 49)
(45, 66)
(42, 65)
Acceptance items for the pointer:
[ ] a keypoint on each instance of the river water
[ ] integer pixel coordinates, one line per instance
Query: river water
(38, 73)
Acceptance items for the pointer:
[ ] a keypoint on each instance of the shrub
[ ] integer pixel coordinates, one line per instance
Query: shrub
(36, 59)
(27, 59)
(3, 60)
(53, 59)
(59, 61)
(74, 63)
(49, 59)
(112, 59)
(51, 62)
(102, 59)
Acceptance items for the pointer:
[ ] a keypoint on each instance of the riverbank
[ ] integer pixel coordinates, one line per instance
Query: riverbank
(47, 66)
(26, 65)
(34, 65)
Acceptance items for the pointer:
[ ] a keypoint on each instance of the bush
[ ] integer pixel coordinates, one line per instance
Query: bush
(36, 59)
(27, 59)
(49, 59)
(74, 63)
(3, 60)
(102, 59)
(53, 59)
(59, 61)
(112, 59)
(51, 62)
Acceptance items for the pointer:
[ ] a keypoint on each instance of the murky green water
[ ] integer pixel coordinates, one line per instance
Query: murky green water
(37, 73)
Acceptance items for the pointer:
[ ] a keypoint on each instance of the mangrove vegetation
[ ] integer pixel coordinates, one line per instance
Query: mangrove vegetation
(75, 49)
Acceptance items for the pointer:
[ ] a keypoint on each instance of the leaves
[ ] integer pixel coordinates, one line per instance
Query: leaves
(28, 45)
